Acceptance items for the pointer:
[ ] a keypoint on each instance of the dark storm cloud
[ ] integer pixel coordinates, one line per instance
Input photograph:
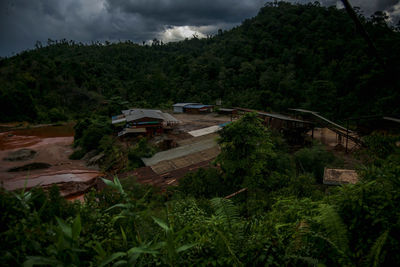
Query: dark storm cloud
(184, 12)
(23, 22)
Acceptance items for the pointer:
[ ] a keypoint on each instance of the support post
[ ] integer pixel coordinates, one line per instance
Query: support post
(347, 135)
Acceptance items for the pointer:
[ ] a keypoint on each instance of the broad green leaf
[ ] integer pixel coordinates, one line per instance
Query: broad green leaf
(112, 257)
(121, 262)
(109, 183)
(99, 249)
(34, 260)
(76, 227)
(66, 229)
(139, 250)
(123, 236)
(161, 224)
(120, 205)
(185, 247)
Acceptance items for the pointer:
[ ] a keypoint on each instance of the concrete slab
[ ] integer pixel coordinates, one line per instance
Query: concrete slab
(204, 131)
(340, 176)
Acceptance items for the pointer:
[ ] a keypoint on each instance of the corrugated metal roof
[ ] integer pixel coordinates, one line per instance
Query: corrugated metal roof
(227, 109)
(137, 114)
(133, 110)
(197, 106)
(118, 120)
(169, 118)
(183, 104)
(132, 130)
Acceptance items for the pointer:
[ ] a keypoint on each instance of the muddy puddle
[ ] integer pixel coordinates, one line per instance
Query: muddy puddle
(52, 146)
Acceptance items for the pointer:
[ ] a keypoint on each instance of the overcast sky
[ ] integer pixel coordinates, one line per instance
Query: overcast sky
(23, 22)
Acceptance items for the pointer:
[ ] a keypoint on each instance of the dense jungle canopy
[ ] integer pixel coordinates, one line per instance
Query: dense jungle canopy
(287, 56)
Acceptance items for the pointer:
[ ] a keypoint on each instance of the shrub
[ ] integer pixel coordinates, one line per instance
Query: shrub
(313, 160)
(77, 154)
(379, 145)
(141, 150)
(203, 183)
(56, 114)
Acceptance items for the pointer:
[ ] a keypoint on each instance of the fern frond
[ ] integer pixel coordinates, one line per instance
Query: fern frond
(226, 210)
(309, 261)
(374, 255)
(336, 230)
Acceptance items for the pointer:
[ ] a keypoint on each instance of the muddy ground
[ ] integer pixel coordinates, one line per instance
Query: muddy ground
(53, 145)
(190, 122)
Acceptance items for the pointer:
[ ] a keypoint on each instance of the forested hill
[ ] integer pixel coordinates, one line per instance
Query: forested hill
(287, 56)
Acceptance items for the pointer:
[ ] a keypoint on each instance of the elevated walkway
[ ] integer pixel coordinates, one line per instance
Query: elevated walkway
(338, 129)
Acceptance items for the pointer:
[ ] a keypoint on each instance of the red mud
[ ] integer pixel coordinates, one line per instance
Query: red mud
(53, 145)
(23, 138)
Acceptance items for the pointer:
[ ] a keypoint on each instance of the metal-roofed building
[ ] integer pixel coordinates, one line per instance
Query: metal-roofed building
(179, 107)
(139, 114)
(198, 108)
(153, 120)
(192, 108)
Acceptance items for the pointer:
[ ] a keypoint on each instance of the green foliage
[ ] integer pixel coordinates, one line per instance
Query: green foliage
(380, 146)
(204, 183)
(77, 154)
(313, 160)
(246, 151)
(288, 55)
(56, 115)
(142, 149)
(93, 134)
(89, 132)
(353, 225)
(335, 231)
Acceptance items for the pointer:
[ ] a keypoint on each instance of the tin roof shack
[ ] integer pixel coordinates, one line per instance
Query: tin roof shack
(179, 107)
(153, 121)
(198, 108)
(192, 108)
(293, 130)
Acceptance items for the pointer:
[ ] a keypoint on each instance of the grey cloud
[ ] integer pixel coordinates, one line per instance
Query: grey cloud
(184, 12)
